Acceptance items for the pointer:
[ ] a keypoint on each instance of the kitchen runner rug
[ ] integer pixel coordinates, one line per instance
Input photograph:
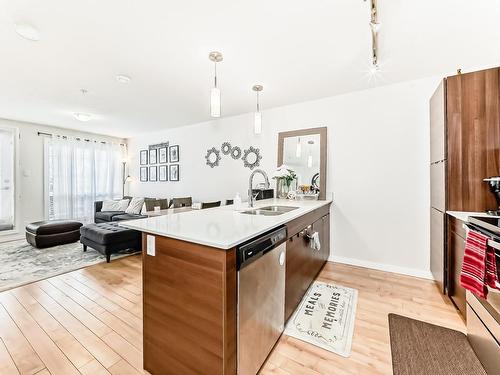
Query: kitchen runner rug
(325, 317)
(21, 263)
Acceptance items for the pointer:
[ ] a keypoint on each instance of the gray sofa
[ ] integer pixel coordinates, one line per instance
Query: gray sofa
(110, 216)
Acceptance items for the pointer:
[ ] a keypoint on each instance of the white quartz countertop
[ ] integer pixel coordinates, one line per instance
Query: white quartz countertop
(222, 227)
(464, 215)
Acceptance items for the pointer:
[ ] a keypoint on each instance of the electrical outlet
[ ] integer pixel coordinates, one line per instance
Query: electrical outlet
(150, 245)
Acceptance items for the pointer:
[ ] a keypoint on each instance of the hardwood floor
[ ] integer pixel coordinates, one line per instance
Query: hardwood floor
(90, 321)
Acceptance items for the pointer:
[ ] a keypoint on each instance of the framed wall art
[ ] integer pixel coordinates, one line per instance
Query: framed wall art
(153, 174)
(162, 173)
(143, 157)
(144, 174)
(162, 155)
(153, 156)
(174, 172)
(174, 153)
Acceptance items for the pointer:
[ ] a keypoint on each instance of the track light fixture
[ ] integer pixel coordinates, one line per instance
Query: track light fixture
(375, 27)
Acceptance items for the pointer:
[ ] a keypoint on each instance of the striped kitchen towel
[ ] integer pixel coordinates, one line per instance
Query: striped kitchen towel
(478, 267)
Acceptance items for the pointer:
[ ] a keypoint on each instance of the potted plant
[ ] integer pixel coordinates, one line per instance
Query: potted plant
(285, 181)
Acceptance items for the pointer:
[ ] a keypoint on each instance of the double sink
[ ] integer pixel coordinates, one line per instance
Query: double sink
(269, 210)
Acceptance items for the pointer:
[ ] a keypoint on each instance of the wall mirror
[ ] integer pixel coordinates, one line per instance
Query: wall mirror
(251, 157)
(213, 157)
(304, 151)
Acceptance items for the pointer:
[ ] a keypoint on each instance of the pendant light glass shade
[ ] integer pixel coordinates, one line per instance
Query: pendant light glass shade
(257, 121)
(215, 102)
(298, 152)
(257, 126)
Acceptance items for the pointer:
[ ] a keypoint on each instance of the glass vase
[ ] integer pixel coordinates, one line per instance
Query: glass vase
(282, 188)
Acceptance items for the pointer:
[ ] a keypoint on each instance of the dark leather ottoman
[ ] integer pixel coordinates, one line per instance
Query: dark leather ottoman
(108, 238)
(52, 233)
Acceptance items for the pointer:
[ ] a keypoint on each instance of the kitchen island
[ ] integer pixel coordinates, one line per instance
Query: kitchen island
(190, 279)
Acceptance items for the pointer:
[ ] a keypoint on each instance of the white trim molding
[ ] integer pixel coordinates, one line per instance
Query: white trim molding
(424, 274)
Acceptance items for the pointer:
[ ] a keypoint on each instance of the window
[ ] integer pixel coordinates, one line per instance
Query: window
(78, 173)
(7, 157)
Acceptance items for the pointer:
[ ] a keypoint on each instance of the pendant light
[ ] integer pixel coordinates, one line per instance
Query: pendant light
(298, 152)
(257, 125)
(215, 92)
(310, 158)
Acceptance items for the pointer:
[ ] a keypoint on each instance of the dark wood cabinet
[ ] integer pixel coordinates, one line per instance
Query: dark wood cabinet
(473, 138)
(456, 249)
(465, 139)
(298, 266)
(303, 261)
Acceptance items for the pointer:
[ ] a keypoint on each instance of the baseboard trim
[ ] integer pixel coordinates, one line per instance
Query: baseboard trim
(383, 267)
(11, 237)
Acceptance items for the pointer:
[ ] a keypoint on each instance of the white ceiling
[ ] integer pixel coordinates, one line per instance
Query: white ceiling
(299, 50)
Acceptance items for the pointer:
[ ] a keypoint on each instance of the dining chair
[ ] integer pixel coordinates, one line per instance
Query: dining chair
(181, 202)
(210, 204)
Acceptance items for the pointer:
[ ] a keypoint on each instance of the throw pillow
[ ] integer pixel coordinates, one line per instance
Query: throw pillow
(135, 206)
(110, 205)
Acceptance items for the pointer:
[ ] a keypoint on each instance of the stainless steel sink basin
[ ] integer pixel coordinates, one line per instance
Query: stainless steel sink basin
(269, 210)
(278, 208)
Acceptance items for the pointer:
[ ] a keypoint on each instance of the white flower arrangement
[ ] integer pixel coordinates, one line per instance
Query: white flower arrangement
(284, 173)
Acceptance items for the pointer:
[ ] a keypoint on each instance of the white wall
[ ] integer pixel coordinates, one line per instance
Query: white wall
(29, 170)
(378, 168)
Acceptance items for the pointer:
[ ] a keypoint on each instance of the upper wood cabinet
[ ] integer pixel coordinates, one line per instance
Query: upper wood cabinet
(438, 129)
(473, 138)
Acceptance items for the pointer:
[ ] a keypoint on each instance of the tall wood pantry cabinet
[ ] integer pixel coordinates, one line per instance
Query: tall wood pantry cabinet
(465, 149)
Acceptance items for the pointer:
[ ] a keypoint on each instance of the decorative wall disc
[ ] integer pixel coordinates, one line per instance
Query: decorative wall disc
(213, 157)
(226, 148)
(236, 152)
(251, 157)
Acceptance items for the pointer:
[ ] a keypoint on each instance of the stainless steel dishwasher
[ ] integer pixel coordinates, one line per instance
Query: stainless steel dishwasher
(261, 298)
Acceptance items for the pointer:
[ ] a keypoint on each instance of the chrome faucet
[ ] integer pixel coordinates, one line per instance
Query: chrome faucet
(251, 196)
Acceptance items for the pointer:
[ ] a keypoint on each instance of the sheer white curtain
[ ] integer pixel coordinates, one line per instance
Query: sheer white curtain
(78, 173)
(6, 179)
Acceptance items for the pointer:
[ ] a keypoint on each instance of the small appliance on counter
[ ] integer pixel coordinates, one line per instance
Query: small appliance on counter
(494, 184)
(263, 193)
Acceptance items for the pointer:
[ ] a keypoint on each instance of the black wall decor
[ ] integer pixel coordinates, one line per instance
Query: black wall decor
(251, 157)
(174, 172)
(236, 152)
(161, 153)
(213, 157)
(226, 148)
(174, 154)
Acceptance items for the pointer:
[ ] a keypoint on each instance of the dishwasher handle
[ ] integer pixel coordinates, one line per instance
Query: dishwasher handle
(255, 248)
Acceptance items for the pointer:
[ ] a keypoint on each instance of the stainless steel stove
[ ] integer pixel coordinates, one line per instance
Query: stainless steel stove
(483, 315)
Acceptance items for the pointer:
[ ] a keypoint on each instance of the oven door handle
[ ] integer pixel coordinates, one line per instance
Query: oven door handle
(494, 244)
(491, 243)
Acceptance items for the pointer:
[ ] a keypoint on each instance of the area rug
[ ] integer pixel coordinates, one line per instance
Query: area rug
(21, 263)
(325, 317)
(420, 348)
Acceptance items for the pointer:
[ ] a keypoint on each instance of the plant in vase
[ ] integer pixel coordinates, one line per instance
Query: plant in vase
(284, 177)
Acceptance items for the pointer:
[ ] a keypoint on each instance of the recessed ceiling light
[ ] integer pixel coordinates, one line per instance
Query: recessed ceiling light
(123, 78)
(28, 32)
(82, 116)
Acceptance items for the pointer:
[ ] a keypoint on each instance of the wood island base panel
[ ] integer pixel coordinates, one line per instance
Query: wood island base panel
(190, 297)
